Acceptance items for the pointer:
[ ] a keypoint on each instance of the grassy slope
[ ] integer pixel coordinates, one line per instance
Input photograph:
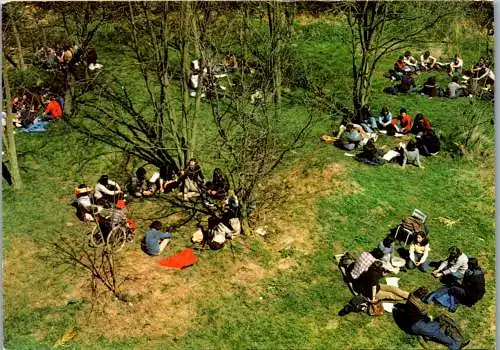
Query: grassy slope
(298, 306)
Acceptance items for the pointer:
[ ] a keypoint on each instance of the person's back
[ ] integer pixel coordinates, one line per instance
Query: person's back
(474, 285)
(155, 240)
(54, 109)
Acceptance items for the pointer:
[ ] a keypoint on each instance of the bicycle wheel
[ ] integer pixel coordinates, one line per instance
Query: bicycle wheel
(117, 238)
(96, 239)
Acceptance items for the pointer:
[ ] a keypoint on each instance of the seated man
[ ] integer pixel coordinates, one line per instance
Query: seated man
(137, 186)
(422, 324)
(410, 61)
(155, 241)
(430, 87)
(487, 74)
(53, 111)
(165, 179)
(468, 293)
(85, 208)
(352, 136)
(107, 192)
(428, 62)
(406, 85)
(453, 268)
(219, 186)
(402, 122)
(192, 179)
(362, 264)
(455, 67)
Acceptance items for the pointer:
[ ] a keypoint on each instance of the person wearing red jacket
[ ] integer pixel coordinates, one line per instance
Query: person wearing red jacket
(53, 111)
(402, 122)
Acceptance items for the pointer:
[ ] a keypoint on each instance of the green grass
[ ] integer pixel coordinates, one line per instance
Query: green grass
(297, 308)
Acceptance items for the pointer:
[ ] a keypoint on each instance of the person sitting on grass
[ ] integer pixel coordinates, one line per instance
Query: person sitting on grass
(430, 87)
(455, 89)
(85, 208)
(366, 120)
(400, 67)
(422, 324)
(428, 143)
(487, 74)
(406, 85)
(420, 124)
(137, 186)
(453, 268)
(419, 251)
(219, 186)
(53, 111)
(365, 260)
(351, 136)
(155, 240)
(455, 67)
(428, 62)
(107, 192)
(410, 61)
(385, 117)
(468, 293)
(165, 179)
(386, 246)
(192, 179)
(368, 285)
(402, 122)
(411, 154)
(370, 154)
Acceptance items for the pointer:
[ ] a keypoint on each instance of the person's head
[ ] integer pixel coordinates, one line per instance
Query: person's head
(377, 253)
(454, 79)
(156, 225)
(120, 204)
(453, 253)
(457, 56)
(427, 54)
(400, 58)
(421, 238)
(385, 110)
(473, 263)
(387, 242)
(411, 146)
(103, 180)
(82, 190)
(407, 54)
(370, 143)
(192, 163)
(365, 108)
(377, 268)
(141, 173)
(420, 292)
(402, 111)
(349, 127)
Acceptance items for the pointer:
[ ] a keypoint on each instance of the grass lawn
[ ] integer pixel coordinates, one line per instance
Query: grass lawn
(281, 291)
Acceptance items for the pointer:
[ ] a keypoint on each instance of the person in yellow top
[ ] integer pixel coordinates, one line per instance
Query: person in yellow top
(419, 251)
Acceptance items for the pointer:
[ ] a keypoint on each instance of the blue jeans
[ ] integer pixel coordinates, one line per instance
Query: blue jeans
(443, 297)
(431, 329)
(423, 267)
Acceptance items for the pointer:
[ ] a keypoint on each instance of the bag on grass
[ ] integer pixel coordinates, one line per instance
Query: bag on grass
(376, 309)
(449, 327)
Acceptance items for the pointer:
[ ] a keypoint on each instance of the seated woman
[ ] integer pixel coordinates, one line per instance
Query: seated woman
(430, 87)
(219, 186)
(410, 61)
(385, 117)
(421, 323)
(351, 136)
(468, 293)
(165, 179)
(420, 124)
(370, 154)
(368, 285)
(428, 143)
(366, 120)
(400, 67)
(419, 251)
(486, 76)
(85, 207)
(455, 89)
(455, 67)
(387, 247)
(192, 179)
(411, 154)
(402, 122)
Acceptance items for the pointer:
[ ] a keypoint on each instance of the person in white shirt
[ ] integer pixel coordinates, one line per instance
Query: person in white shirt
(455, 67)
(454, 267)
(419, 251)
(428, 62)
(410, 61)
(455, 89)
(106, 191)
(487, 74)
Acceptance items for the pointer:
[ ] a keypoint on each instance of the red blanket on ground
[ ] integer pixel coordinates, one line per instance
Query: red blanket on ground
(180, 260)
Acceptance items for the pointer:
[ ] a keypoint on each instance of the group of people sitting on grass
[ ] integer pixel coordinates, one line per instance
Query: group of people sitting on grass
(461, 275)
(64, 56)
(479, 79)
(32, 114)
(360, 132)
(214, 195)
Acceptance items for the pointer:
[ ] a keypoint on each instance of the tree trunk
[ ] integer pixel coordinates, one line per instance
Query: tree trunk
(11, 142)
(19, 47)
(185, 64)
(68, 94)
(274, 16)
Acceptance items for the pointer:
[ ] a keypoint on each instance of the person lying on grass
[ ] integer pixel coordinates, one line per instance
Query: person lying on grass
(453, 268)
(421, 323)
(155, 240)
(468, 293)
(368, 285)
(419, 251)
(411, 154)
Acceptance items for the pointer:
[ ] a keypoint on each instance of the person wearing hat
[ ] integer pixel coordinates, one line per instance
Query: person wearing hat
(453, 268)
(85, 207)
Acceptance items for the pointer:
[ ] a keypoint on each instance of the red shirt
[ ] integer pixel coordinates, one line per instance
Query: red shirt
(405, 122)
(54, 109)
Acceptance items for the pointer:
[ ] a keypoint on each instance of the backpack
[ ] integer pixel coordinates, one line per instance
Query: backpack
(357, 304)
(449, 327)
(413, 224)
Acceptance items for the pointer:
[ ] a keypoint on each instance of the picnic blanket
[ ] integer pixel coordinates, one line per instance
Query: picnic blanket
(180, 260)
(35, 127)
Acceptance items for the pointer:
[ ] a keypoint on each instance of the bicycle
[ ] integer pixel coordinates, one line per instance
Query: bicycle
(114, 240)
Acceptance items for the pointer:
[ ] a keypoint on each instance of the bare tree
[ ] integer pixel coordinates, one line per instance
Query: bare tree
(378, 28)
